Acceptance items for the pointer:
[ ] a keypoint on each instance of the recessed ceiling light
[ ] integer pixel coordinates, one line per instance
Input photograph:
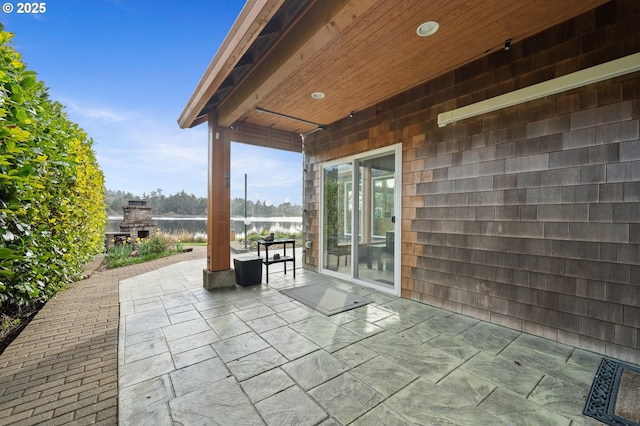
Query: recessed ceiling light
(428, 28)
(317, 95)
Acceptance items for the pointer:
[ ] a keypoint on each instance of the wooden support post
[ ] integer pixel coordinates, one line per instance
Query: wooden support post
(218, 273)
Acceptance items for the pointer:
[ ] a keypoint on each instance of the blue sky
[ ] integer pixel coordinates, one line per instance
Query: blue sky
(125, 69)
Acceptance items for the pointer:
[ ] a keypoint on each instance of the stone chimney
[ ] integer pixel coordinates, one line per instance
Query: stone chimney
(137, 220)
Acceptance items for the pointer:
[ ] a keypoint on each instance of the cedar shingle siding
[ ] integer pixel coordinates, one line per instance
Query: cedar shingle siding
(528, 217)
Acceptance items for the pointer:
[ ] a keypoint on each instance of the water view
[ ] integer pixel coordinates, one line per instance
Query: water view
(198, 225)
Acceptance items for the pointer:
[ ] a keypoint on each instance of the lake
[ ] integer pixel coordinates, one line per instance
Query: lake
(198, 225)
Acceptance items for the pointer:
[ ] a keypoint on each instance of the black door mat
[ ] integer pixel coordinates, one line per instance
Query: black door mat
(326, 299)
(614, 398)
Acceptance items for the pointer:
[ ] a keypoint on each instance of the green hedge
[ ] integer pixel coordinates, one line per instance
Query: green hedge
(52, 208)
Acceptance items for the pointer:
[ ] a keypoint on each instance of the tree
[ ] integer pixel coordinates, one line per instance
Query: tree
(184, 204)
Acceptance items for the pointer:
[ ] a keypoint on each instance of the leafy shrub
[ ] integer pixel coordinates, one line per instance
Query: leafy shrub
(117, 253)
(141, 250)
(52, 210)
(157, 243)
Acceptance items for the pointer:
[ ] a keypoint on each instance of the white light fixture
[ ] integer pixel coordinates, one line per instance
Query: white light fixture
(317, 95)
(428, 28)
(611, 69)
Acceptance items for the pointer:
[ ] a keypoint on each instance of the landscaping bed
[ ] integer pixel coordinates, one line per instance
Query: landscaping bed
(13, 320)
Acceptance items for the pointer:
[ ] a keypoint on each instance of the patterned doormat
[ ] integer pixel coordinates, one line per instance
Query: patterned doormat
(325, 299)
(614, 398)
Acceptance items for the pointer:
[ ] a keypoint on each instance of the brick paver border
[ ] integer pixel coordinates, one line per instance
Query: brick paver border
(63, 367)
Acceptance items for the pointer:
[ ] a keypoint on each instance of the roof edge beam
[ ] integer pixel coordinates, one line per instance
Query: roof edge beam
(254, 16)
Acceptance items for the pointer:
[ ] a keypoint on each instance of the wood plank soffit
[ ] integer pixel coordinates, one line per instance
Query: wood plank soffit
(316, 28)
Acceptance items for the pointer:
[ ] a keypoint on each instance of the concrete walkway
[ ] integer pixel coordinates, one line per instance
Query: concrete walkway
(253, 356)
(62, 368)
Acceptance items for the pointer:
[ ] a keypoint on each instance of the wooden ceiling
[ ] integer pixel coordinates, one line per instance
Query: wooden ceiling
(361, 52)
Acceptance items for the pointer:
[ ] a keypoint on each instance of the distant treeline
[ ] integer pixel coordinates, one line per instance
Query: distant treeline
(183, 204)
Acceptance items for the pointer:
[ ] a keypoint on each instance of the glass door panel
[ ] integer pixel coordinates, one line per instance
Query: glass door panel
(376, 212)
(338, 196)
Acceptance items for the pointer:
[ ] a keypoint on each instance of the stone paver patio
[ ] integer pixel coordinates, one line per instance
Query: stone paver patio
(254, 356)
(147, 344)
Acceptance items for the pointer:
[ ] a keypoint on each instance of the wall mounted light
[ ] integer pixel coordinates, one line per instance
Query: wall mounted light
(611, 69)
(317, 95)
(507, 44)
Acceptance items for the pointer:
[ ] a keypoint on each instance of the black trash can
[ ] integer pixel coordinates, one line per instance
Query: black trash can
(248, 269)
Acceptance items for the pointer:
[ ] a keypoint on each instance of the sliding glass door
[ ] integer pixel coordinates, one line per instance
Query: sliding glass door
(360, 197)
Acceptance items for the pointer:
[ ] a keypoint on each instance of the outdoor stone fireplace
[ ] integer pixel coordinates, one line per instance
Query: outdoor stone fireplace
(137, 221)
